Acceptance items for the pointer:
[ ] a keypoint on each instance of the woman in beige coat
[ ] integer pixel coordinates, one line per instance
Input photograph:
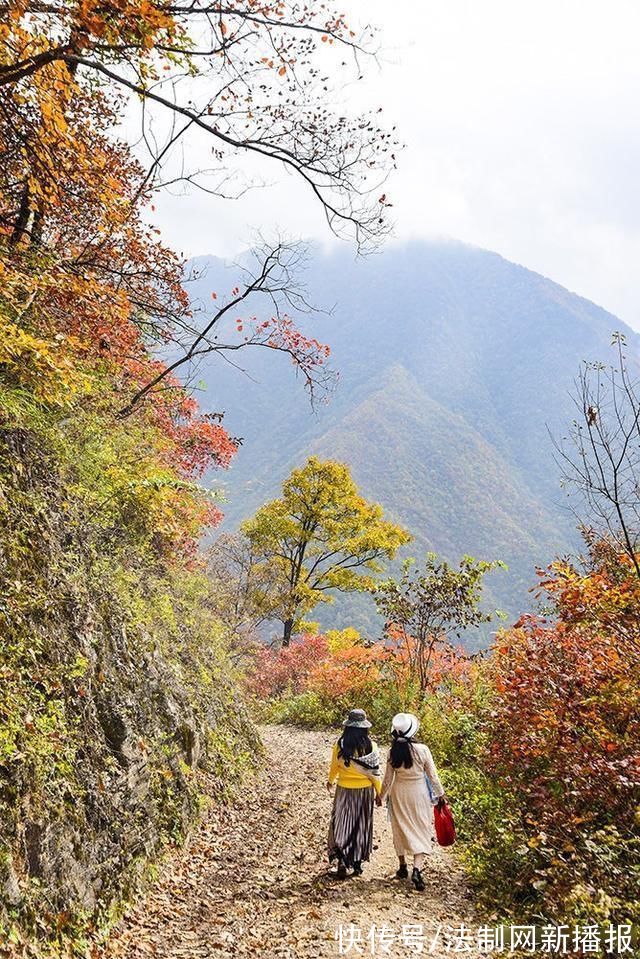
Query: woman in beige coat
(412, 786)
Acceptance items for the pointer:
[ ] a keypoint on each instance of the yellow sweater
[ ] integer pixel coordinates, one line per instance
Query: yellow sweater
(350, 777)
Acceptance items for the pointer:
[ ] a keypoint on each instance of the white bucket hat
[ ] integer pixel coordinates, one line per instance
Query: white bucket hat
(405, 725)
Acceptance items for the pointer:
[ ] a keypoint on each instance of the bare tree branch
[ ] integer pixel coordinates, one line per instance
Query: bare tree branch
(600, 457)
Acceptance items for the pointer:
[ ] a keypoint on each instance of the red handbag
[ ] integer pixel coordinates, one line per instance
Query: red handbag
(445, 826)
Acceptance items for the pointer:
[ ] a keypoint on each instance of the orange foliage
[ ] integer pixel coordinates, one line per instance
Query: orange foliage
(287, 669)
(348, 672)
(355, 672)
(446, 663)
(88, 289)
(566, 717)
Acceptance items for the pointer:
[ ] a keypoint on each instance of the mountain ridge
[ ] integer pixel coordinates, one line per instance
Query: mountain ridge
(457, 362)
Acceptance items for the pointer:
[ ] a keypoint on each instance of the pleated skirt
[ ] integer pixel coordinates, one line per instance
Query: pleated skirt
(351, 828)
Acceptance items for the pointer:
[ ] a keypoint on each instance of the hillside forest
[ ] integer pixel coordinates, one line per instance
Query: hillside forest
(143, 649)
(446, 414)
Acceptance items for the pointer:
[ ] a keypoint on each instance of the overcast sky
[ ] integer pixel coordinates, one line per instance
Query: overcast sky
(521, 122)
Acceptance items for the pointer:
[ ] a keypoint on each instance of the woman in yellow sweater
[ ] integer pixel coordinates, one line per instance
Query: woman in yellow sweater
(355, 769)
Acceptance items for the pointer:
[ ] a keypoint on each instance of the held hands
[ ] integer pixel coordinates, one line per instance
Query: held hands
(378, 800)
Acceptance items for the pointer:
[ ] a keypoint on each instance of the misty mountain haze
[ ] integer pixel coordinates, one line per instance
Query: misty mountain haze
(455, 365)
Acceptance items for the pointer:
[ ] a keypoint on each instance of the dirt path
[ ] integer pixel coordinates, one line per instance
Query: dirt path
(254, 882)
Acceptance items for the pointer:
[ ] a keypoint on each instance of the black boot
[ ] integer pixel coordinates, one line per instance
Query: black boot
(417, 880)
(403, 872)
(357, 868)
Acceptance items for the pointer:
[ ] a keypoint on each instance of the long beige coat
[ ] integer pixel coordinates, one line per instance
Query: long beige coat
(410, 807)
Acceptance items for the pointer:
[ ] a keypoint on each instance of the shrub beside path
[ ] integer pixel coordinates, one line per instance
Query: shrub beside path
(253, 880)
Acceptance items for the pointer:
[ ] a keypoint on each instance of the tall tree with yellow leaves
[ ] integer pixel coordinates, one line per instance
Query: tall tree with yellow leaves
(321, 535)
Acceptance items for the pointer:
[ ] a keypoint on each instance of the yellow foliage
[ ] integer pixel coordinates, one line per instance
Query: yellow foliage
(45, 367)
(340, 639)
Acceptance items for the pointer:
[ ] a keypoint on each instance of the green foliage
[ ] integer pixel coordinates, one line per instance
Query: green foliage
(435, 600)
(117, 693)
(487, 816)
(307, 709)
(314, 710)
(429, 604)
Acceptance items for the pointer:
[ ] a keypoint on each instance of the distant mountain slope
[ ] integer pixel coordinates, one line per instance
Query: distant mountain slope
(454, 365)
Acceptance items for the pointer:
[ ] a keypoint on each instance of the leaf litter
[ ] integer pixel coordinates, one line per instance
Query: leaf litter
(254, 880)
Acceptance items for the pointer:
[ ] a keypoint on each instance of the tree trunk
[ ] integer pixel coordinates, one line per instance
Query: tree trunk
(21, 226)
(288, 632)
(36, 229)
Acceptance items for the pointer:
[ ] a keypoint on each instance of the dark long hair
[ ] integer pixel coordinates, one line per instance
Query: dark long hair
(401, 753)
(355, 741)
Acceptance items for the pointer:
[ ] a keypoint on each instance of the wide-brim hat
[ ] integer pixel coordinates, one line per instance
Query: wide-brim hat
(405, 725)
(357, 718)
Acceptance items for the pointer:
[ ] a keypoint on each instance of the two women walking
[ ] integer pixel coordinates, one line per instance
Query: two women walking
(411, 786)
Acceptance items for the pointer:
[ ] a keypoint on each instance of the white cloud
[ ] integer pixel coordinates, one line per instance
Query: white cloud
(522, 132)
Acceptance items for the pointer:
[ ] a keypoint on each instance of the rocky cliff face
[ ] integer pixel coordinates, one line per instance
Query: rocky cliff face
(116, 698)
